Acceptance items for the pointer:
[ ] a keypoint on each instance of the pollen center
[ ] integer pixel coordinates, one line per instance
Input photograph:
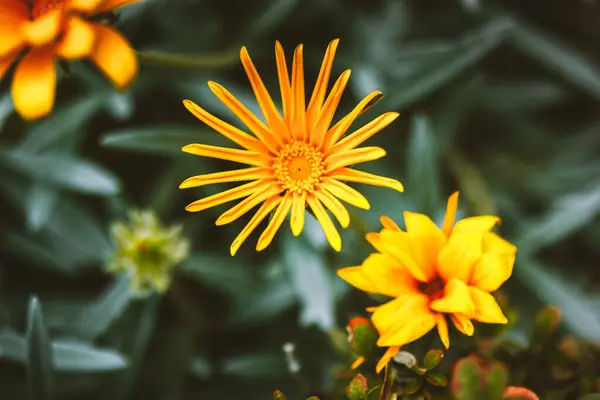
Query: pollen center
(41, 7)
(299, 167)
(434, 289)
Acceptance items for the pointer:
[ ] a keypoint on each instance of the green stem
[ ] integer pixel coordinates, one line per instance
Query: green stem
(221, 59)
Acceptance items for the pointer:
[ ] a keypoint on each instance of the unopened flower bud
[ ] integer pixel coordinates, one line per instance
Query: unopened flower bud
(357, 389)
(361, 336)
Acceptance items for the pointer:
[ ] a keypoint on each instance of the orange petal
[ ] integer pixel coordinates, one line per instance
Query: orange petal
(226, 196)
(278, 217)
(109, 5)
(284, 83)
(354, 156)
(403, 320)
(298, 101)
(387, 356)
(487, 309)
(318, 128)
(388, 223)
(6, 61)
(34, 84)
(333, 236)
(12, 19)
(364, 133)
(87, 6)
(346, 193)
(229, 131)
(457, 299)
(224, 153)
(113, 54)
(442, 327)
(246, 174)
(353, 175)
(427, 240)
(459, 256)
(463, 324)
(44, 29)
(358, 362)
(259, 196)
(78, 39)
(262, 212)
(318, 96)
(334, 205)
(450, 214)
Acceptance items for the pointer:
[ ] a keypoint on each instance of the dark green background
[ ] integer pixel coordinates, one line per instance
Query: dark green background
(498, 99)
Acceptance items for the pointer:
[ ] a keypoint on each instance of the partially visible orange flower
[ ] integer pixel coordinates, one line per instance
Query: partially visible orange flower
(296, 159)
(433, 274)
(41, 30)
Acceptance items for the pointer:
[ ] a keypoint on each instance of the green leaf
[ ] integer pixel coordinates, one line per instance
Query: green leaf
(6, 109)
(466, 379)
(569, 213)
(220, 272)
(67, 355)
(437, 379)
(248, 366)
(422, 165)
(311, 281)
(595, 396)
(39, 203)
(523, 96)
(496, 379)
(95, 319)
(442, 69)
(40, 372)
(273, 16)
(580, 312)
(545, 325)
(166, 140)
(432, 359)
(557, 55)
(64, 171)
(265, 303)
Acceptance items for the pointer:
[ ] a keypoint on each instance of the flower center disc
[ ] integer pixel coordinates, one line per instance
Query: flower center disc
(434, 289)
(299, 167)
(41, 7)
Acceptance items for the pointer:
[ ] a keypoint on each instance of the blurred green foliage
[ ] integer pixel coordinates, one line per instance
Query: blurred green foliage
(499, 99)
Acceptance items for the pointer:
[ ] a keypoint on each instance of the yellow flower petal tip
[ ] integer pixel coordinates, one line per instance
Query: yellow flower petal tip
(292, 166)
(434, 275)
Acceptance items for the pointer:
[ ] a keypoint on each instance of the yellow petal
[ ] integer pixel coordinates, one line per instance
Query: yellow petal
(284, 83)
(44, 29)
(298, 211)
(388, 223)
(224, 153)
(358, 362)
(479, 224)
(334, 205)
(226, 196)
(458, 257)
(398, 245)
(355, 277)
(34, 84)
(262, 132)
(353, 175)
(442, 327)
(318, 129)
(77, 40)
(495, 244)
(387, 276)
(450, 216)
(109, 5)
(269, 233)
(246, 174)
(346, 193)
(229, 131)
(248, 204)
(457, 299)
(354, 156)
(492, 270)
(338, 130)
(318, 96)
(487, 309)
(262, 212)
(387, 356)
(87, 6)
(427, 240)
(463, 324)
(113, 54)
(364, 133)
(333, 236)
(262, 96)
(298, 102)
(403, 320)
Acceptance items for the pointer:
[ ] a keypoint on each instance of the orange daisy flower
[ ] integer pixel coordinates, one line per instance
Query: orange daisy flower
(296, 159)
(432, 274)
(45, 29)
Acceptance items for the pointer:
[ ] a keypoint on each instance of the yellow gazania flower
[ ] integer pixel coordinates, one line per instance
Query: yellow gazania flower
(296, 159)
(46, 29)
(433, 273)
